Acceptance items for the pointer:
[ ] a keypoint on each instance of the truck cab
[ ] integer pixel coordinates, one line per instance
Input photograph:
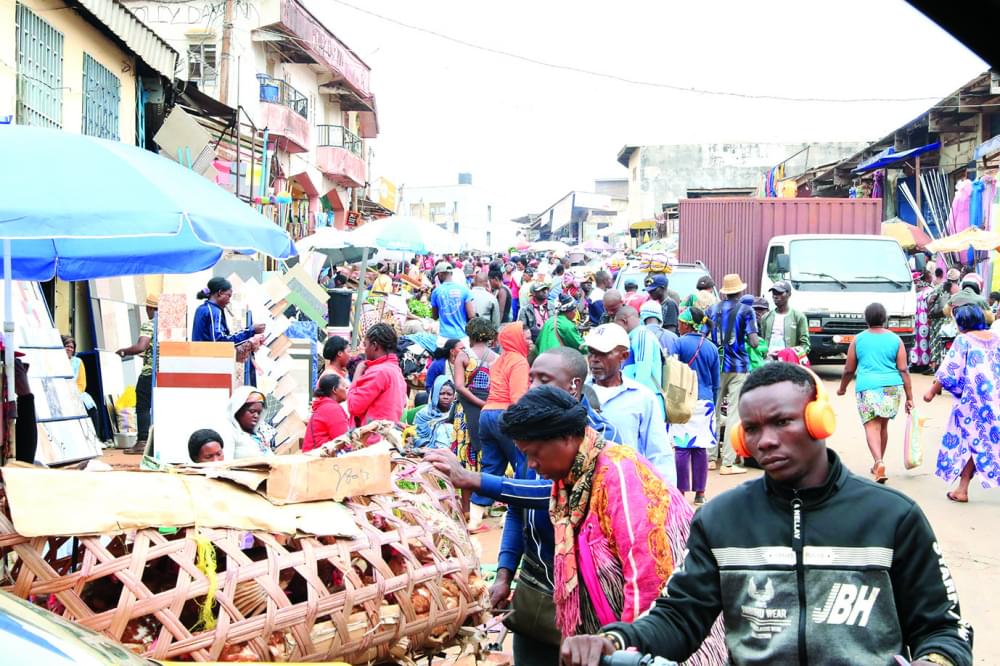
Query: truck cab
(834, 278)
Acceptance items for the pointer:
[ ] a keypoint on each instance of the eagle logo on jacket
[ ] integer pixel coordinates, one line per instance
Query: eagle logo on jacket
(760, 597)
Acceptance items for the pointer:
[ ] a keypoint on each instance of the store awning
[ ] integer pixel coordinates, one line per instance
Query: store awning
(889, 157)
(988, 148)
(643, 225)
(135, 34)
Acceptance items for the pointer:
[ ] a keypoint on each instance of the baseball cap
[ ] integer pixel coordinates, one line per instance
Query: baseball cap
(538, 286)
(782, 287)
(760, 303)
(650, 309)
(606, 337)
(443, 267)
(657, 282)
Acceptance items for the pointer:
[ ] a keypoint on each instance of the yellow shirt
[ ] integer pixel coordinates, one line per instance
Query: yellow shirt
(382, 284)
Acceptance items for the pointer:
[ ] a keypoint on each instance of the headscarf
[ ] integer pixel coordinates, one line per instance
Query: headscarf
(245, 444)
(428, 419)
(688, 318)
(546, 413)
(511, 341)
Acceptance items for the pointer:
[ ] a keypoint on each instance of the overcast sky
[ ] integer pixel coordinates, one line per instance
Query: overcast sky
(530, 133)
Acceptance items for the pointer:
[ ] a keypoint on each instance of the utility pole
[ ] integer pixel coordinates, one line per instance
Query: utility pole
(227, 44)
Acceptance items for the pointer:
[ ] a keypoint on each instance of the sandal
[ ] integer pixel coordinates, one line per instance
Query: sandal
(483, 527)
(954, 498)
(878, 472)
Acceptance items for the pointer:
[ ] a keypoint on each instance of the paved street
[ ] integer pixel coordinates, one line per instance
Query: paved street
(964, 530)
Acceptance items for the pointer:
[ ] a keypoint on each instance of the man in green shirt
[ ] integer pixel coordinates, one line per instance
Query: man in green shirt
(784, 327)
(560, 330)
(758, 354)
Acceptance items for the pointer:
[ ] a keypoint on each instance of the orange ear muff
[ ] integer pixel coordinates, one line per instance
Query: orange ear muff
(821, 421)
(739, 441)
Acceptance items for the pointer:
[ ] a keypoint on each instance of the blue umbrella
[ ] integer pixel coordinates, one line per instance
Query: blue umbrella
(80, 208)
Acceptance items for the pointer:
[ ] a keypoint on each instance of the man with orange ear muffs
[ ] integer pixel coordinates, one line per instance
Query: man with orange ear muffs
(808, 564)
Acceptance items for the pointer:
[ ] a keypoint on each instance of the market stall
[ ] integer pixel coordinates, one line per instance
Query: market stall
(240, 571)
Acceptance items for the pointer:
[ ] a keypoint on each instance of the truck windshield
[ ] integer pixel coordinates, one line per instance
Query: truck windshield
(848, 260)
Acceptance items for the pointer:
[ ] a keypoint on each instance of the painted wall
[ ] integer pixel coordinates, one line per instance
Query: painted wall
(79, 37)
(664, 174)
(472, 214)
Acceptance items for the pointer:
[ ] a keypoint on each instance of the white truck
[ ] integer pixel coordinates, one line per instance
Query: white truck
(834, 278)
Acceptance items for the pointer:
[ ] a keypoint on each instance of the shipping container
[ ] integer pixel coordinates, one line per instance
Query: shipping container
(730, 235)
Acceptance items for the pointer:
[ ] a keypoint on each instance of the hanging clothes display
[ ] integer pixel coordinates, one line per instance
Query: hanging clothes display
(878, 187)
(976, 204)
(960, 206)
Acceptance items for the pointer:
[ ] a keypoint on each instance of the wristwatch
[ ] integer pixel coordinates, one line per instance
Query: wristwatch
(936, 658)
(615, 638)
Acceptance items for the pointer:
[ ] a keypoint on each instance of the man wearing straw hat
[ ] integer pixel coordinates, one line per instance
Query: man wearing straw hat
(734, 326)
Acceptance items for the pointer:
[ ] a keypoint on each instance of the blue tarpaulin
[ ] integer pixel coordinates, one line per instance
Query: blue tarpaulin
(987, 148)
(889, 157)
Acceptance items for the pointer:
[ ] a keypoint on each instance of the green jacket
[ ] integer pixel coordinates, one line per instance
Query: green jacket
(758, 354)
(566, 335)
(796, 330)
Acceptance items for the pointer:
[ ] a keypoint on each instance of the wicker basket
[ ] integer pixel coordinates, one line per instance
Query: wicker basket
(403, 589)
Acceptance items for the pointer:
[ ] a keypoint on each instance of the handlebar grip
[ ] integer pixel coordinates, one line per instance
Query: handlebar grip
(625, 658)
(633, 658)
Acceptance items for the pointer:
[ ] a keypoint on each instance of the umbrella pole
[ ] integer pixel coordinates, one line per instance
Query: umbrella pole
(8, 331)
(360, 303)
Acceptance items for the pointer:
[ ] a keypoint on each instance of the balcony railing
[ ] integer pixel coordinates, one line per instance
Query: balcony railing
(338, 137)
(276, 91)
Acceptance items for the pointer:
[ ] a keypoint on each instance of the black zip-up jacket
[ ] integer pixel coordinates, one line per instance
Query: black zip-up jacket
(846, 573)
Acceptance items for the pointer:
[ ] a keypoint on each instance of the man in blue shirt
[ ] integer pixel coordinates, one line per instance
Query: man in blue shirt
(734, 326)
(528, 542)
(633, 409)
(452, 305)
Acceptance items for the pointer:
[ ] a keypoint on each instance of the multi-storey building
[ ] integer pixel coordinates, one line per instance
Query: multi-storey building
(463, 209)
(299, 91)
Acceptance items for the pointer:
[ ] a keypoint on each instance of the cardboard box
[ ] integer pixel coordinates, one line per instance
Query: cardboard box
(304, 478)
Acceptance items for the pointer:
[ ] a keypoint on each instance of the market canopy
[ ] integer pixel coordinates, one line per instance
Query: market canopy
(972, 238)
(405, 233)
(890, 157)
(81, 208)
(907, 235)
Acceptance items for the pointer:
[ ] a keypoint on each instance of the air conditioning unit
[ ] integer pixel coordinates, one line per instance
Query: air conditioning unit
(994, 83)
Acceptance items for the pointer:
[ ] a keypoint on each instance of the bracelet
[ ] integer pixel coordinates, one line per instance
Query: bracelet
(936, 658)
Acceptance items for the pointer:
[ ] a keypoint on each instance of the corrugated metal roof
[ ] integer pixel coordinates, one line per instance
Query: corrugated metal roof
(135, 34)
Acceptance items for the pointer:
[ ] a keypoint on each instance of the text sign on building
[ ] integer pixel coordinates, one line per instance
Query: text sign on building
(323, 46)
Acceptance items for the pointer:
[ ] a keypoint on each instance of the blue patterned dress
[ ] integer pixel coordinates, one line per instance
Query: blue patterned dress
(971, 372)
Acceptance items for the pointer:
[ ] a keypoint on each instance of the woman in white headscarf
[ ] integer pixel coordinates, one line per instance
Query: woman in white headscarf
(251, 437)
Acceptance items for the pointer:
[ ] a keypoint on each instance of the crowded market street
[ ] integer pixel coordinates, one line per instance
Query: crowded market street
(609, 335)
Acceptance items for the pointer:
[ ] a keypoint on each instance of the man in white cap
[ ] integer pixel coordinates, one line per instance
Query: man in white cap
(734, 326)
(631, 407)
(452, 305)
